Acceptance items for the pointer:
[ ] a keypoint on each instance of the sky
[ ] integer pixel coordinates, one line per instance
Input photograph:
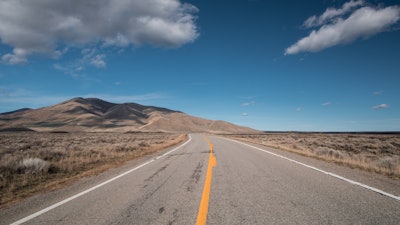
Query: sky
(270, 65)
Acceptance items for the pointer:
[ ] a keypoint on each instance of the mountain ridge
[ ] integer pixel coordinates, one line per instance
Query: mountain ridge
(96, 115)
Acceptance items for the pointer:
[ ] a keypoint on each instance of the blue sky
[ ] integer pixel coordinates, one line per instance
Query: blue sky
(287, 65)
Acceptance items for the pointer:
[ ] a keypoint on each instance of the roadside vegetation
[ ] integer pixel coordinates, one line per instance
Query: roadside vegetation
(31, 162)
(379, 153)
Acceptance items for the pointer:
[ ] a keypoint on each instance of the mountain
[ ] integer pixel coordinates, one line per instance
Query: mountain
(96, 115)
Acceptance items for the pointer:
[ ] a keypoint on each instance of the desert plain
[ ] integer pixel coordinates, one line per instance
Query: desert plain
(374, 152)
(34, 162)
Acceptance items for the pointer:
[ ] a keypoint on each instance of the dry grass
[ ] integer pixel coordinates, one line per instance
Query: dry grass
(378, 153)
(31, 162)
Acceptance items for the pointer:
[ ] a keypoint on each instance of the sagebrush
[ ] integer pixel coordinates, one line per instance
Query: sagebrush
(379, 153)
(32, 161)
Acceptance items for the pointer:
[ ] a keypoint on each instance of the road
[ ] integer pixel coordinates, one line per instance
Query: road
(246, 185)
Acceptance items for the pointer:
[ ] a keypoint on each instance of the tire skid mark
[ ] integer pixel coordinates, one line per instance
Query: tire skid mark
(195, 177)
(155, 174)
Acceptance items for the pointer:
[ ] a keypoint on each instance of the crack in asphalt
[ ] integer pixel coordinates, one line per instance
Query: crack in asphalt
(156, 173)
(194, 179)
(174, 217)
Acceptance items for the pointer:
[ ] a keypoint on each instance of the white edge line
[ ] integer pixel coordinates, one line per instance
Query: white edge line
(26, 219)
(323, 171)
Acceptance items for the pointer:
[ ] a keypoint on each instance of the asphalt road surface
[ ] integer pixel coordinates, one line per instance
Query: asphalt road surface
(246, 185)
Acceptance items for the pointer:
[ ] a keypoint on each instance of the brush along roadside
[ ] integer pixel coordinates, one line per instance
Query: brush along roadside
(33, 162)
(379, 153)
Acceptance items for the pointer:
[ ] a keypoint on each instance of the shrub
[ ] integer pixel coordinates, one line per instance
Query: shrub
(33, 165)
(388, 163)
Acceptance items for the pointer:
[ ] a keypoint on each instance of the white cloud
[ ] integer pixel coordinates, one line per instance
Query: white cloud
(98, 61)
(381, 106)
(19, 56)
(245, 114)
(93, 57)
(44, 27)
(119, 40)
(336, 29)
(250, 103)
(73, 69)
(332, 13)
(90, 56)
(326, 104)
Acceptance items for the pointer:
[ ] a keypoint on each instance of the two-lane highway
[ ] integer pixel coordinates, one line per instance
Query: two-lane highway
(253, 187)
(246, 186)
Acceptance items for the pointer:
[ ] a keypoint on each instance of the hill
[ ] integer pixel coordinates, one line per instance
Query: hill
(96, 115)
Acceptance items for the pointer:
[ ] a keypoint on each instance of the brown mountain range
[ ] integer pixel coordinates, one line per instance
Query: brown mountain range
(96, 115)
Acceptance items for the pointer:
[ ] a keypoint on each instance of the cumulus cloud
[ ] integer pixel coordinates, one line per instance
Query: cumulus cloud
(381, 106)
(245, 114)
(337, 27)
(44, 27)
(331, 13)
(17, 57)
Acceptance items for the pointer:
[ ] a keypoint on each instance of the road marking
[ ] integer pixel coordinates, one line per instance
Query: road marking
(325, 172)
(23, 220)
(203, 209)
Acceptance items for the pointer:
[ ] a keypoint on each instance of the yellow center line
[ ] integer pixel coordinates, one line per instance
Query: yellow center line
(203, 209)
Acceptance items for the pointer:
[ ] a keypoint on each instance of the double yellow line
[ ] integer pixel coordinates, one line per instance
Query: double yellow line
(203, 210)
